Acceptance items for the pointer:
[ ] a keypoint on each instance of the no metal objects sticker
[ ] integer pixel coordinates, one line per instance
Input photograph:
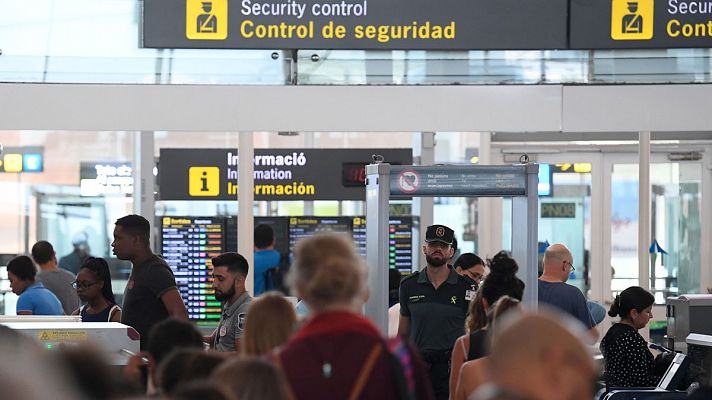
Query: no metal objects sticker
(408, 181)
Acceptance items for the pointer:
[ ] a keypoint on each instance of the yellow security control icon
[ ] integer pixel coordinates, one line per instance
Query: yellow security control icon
(632, 19)
(206, 19)
(204, 181)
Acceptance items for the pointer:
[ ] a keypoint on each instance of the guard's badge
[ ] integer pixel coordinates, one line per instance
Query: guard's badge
(223, 330)
(469, 295)
(440, 232)
(241, 321)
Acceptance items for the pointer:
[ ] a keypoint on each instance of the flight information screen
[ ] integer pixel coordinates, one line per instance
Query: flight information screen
(278, 225)
(188, 244)
(303, 227)
(400, 241)
(400, 244)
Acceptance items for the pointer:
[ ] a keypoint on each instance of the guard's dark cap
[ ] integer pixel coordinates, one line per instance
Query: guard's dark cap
(439, 233)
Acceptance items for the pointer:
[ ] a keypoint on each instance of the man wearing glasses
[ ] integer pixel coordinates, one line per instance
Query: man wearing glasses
(554, 291)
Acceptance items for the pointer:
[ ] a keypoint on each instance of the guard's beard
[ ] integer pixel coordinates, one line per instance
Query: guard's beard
(436, 262)
(225, 296)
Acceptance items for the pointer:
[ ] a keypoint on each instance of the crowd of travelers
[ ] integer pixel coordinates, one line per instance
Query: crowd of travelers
(459, 329)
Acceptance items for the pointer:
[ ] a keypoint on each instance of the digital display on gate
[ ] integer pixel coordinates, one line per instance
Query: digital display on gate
(188, 244)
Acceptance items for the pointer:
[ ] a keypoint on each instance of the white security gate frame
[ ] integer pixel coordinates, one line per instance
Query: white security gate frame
(524, 214)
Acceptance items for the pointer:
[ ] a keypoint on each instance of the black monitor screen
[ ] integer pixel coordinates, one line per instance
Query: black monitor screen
(675, 373)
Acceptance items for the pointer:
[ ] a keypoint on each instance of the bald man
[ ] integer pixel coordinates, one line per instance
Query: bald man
(535, 357)
(553, 290)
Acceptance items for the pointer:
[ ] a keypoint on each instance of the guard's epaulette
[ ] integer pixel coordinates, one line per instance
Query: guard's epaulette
(409, 277)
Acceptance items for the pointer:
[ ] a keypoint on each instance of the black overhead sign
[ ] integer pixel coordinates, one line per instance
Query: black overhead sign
(458, 181)
(279, 174)
(610, 24)
(355, 24)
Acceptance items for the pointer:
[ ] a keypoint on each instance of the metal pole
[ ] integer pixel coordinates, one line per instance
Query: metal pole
(643, 209)
(246, 197)
(525, 216)
(143, 179)
(378, 189)
(309, 144)
(485, 241)
(424, 152)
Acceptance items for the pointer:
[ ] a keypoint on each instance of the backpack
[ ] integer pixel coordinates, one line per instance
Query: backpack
(276, 277)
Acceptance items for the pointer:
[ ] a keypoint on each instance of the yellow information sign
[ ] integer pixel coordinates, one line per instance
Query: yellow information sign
(61, 336)
(206, 19)
(632, 19)
(13, 162)
(204, 181)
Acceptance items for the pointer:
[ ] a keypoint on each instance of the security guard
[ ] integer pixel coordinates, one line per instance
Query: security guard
(434, 305)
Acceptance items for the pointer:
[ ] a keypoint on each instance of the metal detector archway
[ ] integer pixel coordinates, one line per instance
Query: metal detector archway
(384, 181)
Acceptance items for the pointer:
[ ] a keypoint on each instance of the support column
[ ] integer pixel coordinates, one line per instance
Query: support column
(486, 244)
(309, 144)
(143, 179)
(525, 240)
(245, 203)
(643, 209)
(423, 154)
(378, 191)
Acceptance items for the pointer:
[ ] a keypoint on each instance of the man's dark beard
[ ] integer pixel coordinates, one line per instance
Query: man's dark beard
(225, 296)
(436, 262)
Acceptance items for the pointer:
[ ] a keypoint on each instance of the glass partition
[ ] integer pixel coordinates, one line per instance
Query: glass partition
(675, 228)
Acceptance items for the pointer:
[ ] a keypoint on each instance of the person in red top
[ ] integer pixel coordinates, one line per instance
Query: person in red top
(338, 353)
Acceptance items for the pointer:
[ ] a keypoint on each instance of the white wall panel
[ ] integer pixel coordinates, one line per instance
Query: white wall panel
(280, 108)
(637, 108)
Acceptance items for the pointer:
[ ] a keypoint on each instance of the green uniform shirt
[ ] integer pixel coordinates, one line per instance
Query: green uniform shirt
(437, 316)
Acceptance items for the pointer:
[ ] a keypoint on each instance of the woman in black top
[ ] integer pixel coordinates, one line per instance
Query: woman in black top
(502, 281)
(628, 362)
(93, 284)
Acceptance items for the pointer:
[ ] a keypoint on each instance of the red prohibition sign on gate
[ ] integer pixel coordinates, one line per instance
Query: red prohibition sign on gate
(408, 181)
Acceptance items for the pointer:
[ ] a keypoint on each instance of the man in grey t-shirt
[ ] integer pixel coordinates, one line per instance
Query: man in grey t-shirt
(57, 280)
(229, 274)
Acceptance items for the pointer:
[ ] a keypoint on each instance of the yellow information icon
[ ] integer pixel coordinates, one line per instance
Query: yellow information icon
(204, 181)
(13, 162)
(206, 19)
(632, 19)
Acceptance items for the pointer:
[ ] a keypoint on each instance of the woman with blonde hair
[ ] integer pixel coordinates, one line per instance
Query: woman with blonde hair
(270, 321)
(338, 353)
